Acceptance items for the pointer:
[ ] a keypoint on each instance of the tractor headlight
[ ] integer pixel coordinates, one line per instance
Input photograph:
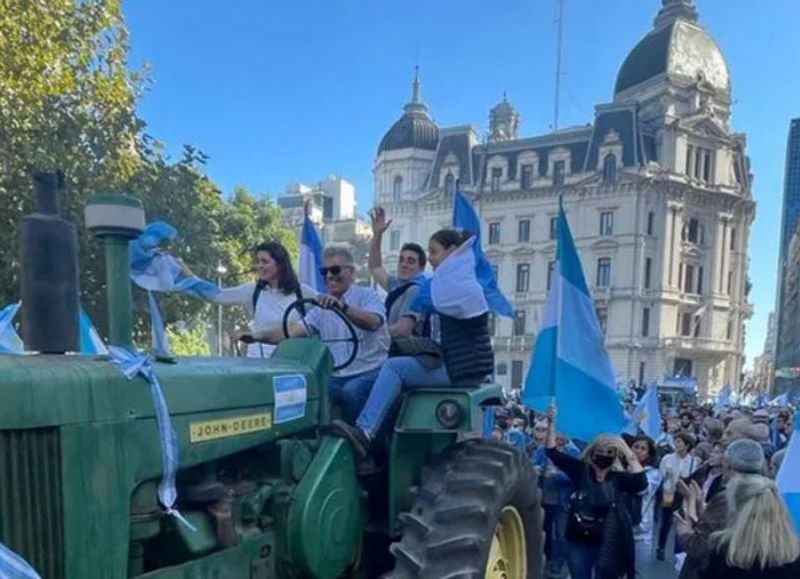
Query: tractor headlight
(448, 413)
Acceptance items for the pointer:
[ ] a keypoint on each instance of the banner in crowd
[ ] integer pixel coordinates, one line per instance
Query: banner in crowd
(465, 218)
(570, 364)
(788, 479)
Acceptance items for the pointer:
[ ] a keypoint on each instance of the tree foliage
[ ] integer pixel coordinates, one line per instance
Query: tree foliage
(68, 101)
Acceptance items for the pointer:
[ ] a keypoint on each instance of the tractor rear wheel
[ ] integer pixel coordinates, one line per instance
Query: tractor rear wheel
(476, 513)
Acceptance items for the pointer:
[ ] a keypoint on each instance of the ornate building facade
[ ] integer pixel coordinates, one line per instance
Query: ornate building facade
(657, 191)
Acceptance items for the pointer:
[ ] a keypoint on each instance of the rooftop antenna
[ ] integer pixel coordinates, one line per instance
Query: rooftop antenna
(559, 43)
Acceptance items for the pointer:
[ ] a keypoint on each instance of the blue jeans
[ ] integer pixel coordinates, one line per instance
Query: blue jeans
(396, 373)
(555, 544)
(350, 392)
(581, 560)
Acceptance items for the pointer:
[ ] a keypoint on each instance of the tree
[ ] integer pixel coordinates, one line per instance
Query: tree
(67, 101)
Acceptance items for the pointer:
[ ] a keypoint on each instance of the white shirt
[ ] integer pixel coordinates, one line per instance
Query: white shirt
(644, 530)
(673, 468)
(373, 347)
(270, 308)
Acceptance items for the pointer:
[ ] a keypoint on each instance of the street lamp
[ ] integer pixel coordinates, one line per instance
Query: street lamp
(221, 270)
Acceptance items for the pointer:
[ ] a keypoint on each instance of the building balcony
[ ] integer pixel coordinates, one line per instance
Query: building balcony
(513, 343)
(700, 345)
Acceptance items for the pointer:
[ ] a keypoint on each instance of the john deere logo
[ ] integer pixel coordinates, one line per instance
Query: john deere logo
(214, 429)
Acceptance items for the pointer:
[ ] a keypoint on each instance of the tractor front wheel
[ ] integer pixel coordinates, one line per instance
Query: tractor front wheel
(476, 513)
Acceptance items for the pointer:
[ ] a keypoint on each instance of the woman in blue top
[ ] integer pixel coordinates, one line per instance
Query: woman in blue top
(460, 351)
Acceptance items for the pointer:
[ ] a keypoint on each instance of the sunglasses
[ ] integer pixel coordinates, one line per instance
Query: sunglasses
(333, 270)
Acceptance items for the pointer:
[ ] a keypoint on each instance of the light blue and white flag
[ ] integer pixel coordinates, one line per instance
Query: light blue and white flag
(12, 566)
(646, 415)
(454, 289)
(10, 342)
(153, 269)
(311, 257)
(464, 217)
(723, 399)
(780, 400)
(788, 479)
(91, 342)
(570, 364)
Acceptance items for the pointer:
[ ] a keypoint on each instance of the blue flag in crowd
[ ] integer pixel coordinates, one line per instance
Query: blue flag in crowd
(311, 257)
(723, 399)
(91, 342)
(780, 400)
(646, 414)
(570, 364)
(788, 479)
(464, 217)
(12, 566)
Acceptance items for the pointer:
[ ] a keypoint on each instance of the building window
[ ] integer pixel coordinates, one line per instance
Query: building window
(686, 324)
(450, 184)
(602, 318)
(516, 374)
(607, 223)
(732, 246)
(551, 266)
(642, 367)
(689, 160)
(729, 330)
(394, 240)
(693, 231)
(491, 322)
(699, 163)
(524, 230)
(645, 322)
(610, 167)
(730, 282)
(397, 188)
(559, 170)
(651, 221)
(494, 233)
(519, 322)
(682, 367)
(497, 174)
(502, 369)
(603, 272)
(688, 279)
(523, 277)
(526, 179)
(553, 227)
(700, 280)
(648, 267)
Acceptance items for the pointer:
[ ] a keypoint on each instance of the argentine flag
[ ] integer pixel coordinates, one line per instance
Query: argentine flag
(464, 217)
(570, 364)
(91, 342)
(12, 566)
(311, 257)
(780, 400)
(788, 479)
(10, 342)
(646, 414)
(454, 289)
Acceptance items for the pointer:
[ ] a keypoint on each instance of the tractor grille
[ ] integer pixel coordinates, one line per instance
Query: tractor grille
(31, 513)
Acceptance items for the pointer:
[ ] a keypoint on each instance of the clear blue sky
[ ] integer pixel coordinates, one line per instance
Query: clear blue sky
(283, 91)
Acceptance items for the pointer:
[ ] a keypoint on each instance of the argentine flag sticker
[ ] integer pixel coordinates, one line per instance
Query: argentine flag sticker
(290, 394)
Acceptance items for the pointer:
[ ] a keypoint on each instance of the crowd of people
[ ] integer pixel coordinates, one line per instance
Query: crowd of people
(700, 495)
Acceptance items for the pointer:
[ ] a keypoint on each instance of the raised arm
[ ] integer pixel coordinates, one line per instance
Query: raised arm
(379, 226)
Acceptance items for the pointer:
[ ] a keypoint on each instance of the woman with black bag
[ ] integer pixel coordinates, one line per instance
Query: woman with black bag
(599, 528)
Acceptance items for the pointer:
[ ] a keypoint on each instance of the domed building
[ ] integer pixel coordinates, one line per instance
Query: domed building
(657, 190)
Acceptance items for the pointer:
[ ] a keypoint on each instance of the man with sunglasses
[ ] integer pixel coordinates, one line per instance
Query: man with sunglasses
(362, 306)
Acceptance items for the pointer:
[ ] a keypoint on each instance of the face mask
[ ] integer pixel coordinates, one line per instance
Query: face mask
(602, 461)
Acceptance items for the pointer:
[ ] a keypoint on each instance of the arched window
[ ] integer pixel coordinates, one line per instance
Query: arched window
(610, 167)
(397, 188)
(450, 184)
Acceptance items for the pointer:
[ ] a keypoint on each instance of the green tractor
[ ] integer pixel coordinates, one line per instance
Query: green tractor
(263, 490)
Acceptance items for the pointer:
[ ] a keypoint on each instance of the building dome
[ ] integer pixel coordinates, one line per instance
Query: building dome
(677, 48)
(414, 129)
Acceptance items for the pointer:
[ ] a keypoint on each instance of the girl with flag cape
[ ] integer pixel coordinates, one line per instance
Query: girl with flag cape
(460, 351)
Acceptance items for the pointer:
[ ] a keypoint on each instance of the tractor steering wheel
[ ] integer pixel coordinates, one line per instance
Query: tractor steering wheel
(301, 306)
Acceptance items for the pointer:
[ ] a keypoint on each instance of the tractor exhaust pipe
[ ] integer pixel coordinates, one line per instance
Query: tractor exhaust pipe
(50, 287)
(116, 219)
